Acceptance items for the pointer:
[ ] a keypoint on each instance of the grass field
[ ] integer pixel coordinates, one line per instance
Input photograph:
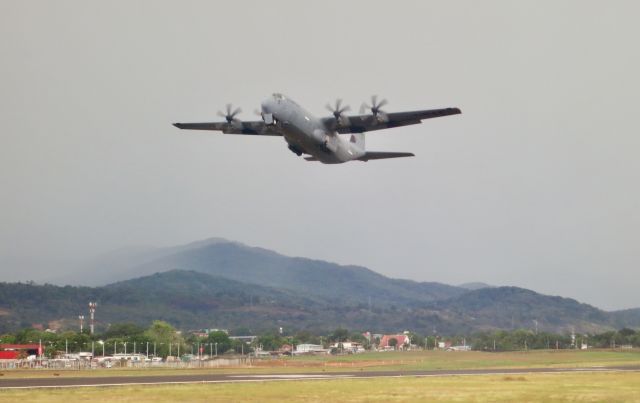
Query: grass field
(583, 387)
(406, 361)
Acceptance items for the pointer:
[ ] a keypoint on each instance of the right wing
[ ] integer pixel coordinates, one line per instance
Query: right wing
(254, 128)
(366, 123)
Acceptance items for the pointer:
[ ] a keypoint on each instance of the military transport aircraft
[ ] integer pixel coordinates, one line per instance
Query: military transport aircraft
(331, 140)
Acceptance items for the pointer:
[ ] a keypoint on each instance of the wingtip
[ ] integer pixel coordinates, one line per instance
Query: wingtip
(178, 125)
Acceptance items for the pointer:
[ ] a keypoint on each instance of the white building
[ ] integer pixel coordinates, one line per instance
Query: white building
(349, 346)
(310, 349)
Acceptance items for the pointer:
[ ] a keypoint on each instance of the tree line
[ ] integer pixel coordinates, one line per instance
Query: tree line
(161, 339)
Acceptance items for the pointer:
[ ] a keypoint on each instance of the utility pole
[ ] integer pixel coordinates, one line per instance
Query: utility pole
(92, 311)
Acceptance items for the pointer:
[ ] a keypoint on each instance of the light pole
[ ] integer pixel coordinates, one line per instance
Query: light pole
(92, 311)
(154, 349)
(81, 318)
(66, 347)
(102, 342)
(147, 350)
(216, 348)
(125, 348)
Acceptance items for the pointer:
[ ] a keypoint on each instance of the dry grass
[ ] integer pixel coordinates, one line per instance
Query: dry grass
(583, 387)
(406, 361)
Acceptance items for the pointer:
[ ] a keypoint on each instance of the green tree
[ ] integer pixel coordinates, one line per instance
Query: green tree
(269, 342)
(8, 338)
(123, 329)
(163, 335)
(393, 343)
(221, 339)
(338, 335)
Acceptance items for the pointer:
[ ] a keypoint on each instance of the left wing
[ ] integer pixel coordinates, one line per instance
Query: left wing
(254, 128)
(379, 155)
(366, 123)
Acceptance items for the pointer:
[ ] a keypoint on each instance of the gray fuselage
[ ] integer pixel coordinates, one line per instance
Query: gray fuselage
(309, 135)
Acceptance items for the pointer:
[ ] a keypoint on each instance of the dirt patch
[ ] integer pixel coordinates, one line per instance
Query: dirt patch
(331, 364)
(514, 378)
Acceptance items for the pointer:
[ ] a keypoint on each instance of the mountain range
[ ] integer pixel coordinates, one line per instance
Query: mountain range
(221, 284)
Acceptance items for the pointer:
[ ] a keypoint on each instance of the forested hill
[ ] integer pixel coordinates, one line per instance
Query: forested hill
(192, 300)
(239, 262)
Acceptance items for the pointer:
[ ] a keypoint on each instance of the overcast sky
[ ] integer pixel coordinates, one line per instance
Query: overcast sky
(534, 185)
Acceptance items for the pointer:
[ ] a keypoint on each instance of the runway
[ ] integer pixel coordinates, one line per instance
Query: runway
(158, 379)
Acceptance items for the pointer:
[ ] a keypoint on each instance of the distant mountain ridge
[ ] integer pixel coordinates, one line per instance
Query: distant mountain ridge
(217, 283)
(259, 266)
(475, 285)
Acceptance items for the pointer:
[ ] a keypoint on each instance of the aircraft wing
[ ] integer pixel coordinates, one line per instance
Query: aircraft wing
(378, 155)
(252, 128)
(366, 123)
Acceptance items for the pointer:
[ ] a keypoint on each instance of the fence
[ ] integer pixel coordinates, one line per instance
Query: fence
(85, 364)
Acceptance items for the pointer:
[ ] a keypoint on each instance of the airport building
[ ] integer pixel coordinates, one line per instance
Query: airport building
(15, 351)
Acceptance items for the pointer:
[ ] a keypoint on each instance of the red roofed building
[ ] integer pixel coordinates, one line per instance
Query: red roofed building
(13, 351)
(401, 339)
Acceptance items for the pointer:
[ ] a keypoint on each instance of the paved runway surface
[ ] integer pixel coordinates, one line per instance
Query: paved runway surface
(61, 382)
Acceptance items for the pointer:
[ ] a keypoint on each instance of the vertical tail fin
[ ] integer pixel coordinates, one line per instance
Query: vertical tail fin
(358, 140)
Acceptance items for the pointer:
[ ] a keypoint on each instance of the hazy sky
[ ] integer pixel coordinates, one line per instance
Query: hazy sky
(534, 185)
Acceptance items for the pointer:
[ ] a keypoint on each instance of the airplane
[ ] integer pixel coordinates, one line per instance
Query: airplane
(331, 140)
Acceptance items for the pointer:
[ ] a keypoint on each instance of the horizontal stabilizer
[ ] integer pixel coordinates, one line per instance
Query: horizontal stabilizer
(379, 155)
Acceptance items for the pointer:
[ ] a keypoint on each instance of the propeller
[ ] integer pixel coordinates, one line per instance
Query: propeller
(231, 116)
(338, 112)
(375, 106)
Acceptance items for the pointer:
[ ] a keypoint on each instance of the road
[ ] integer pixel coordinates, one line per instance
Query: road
(159, 379)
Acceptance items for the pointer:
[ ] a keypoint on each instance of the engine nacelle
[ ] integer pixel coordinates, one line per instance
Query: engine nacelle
(268, 119)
